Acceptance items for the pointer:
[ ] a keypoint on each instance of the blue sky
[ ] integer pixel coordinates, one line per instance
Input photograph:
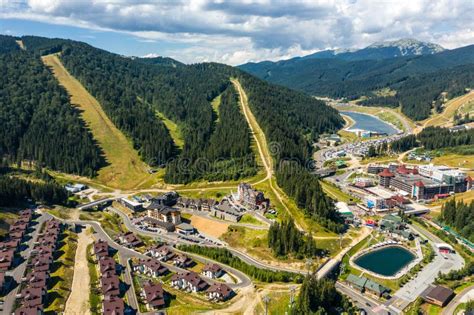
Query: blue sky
(235, 32)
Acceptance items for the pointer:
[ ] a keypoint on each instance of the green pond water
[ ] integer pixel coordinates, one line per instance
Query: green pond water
(386, 261)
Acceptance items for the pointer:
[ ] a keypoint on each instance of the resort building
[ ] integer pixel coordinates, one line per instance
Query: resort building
(250, 198)
(424, 182)
(164, 214)
(225, 211)
(438, 295)
(366, 285)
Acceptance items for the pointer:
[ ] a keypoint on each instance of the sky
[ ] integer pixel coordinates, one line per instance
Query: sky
(235, 32)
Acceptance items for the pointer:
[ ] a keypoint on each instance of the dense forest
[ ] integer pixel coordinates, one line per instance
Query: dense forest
(432, 138)
(38, 122)
(460, 216)
(222, 255)
(320, 297)
(417, 83)
(285, 239)
(404, 144)
(228, 155)
(308, 194)
(14, 191)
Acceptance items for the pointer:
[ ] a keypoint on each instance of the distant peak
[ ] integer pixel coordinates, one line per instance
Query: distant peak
(411, 45)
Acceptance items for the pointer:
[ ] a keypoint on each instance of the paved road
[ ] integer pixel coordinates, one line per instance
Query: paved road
(127, 277)
(371, 306)
(19, 271)
(458, 299)
(441, 263)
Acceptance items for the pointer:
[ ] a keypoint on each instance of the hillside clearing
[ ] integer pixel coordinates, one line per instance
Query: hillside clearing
(173, 129)
(215, 103)
(125, 169)
(451, 107)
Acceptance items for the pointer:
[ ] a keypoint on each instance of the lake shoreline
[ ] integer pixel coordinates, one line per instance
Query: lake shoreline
(354, 122)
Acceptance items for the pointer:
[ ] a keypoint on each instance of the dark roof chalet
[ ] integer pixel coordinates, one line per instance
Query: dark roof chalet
(154, 294)
(220, 288)
(214, 268)
(113, 305)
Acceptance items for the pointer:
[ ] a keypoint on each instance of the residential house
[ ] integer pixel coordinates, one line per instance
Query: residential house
(29, 311)
(101, 248)
(212, 271)
(150, 267)
(110, 284)
(154, 295)
(37, 279)
(219, 292)
(6, 259)
(162, 253)
(107, 264)
(182, 261)
(112, 305)
(130, 240)
(32, 297)
(188, 281)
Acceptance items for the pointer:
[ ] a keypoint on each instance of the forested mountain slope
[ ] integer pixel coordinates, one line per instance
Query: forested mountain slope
(415, 81)
(132, 90)
(38, 122)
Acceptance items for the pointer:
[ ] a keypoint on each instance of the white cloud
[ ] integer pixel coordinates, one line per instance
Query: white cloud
(239, 31)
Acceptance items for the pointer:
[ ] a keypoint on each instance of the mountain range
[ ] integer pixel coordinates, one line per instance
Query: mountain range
(416, 75)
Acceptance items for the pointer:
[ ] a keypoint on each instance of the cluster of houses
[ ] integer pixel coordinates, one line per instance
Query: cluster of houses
(112, 303)
(165, 254)
(11, 245)
(188, 281)
(34, 285)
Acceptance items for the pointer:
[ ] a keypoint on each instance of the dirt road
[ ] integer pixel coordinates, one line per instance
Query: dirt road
(78, 301)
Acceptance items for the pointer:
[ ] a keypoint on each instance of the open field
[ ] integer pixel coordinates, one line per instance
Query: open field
(455, 160)
(125, 169)
(445, 118)
(209, 227)
(254, 243)
(173, 129)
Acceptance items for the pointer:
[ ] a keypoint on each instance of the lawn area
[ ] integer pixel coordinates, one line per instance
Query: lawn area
(279, 302)
(250, 219)
(455, 160)
(125, 169)
(173, 129)
(335, 193)
(60, 212)
(58, 294)
(111, 222)
(255, 243)
(189, 303)
(379, 159)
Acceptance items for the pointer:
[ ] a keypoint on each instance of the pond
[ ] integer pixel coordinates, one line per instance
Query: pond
(369, 123)
(386, 261)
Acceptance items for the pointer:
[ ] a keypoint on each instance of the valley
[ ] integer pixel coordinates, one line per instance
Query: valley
(219, 192)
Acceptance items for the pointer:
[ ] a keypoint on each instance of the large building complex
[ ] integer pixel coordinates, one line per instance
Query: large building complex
(423, 182)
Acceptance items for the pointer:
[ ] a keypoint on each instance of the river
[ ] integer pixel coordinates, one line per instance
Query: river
(369, 123)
